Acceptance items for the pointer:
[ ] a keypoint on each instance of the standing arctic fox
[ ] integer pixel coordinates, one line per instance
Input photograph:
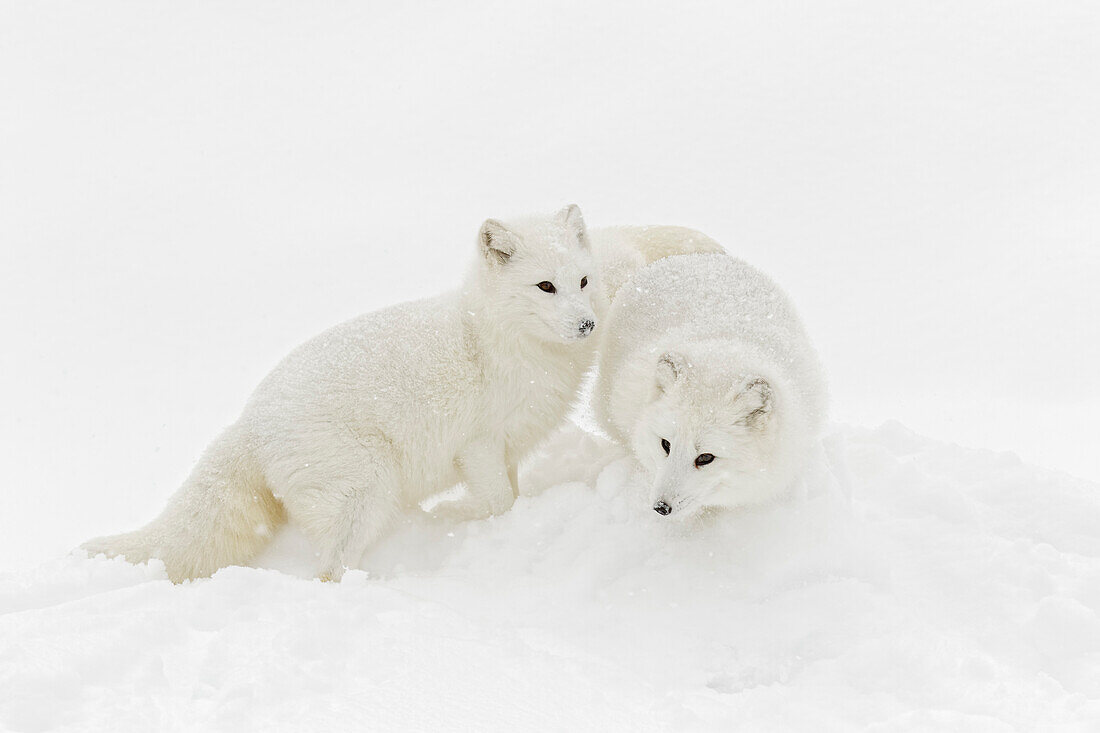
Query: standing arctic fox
(386, 409)
(707, 375)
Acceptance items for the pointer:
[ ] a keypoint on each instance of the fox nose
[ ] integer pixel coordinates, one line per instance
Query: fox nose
(662, 508)
(586, 327)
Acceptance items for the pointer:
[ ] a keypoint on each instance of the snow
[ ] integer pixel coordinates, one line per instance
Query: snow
(914, 585)
(188, 191)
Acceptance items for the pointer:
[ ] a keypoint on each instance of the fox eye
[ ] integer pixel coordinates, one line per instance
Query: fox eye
(703, 459)
(665, 444)
(584, 281)
(547, 287)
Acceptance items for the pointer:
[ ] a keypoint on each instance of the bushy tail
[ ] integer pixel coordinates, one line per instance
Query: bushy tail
(657, 242)
(622, 250)
(222, 515)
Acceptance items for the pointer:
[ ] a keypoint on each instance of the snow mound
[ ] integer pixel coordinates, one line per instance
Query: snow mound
(912, 586)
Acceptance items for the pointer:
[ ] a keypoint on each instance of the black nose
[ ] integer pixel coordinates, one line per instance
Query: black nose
(662, 508)
(587, 326)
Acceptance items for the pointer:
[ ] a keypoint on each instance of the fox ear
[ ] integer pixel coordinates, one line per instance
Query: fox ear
(571, 217)
(755, 394)
(669, 368)
(496, 242)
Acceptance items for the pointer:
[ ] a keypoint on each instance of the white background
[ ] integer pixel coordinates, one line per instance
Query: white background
(188, 190)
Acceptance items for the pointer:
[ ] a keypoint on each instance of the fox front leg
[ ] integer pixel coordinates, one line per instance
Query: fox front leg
(488, 481)
(513, 474)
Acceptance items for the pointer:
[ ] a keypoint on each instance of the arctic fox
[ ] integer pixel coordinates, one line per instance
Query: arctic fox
(393, 406)
(707, 375)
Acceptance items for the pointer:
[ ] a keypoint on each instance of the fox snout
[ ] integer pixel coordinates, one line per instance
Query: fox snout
(662, 508)
(586, 327)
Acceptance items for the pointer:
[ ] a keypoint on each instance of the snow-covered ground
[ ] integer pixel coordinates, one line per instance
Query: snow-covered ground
(914, 586)
(189, 190)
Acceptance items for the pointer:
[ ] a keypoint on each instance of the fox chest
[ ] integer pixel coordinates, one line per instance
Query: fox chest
(532, 402)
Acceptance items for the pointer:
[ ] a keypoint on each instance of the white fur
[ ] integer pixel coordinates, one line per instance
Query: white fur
(708, 353)
(380, 412)
(622, 250)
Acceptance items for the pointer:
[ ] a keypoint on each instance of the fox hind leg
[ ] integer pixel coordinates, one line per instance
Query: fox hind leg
(360, 516)
(345, 508)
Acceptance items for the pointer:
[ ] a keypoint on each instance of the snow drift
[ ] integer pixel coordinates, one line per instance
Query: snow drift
(915, 585)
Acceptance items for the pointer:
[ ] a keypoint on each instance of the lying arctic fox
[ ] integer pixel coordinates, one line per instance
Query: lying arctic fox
(380, 412)
(707, 375)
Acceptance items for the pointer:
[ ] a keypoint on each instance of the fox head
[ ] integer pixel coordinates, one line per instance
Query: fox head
(707, 436)
(541, 277)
